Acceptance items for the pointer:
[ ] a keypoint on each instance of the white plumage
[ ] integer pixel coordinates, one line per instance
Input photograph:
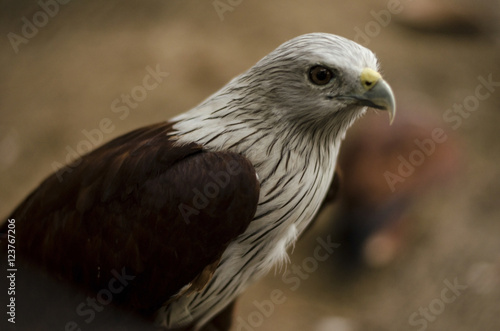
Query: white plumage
(290, 129)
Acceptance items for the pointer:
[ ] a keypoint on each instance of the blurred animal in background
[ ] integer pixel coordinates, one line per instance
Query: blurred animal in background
(453, 17)
(383, 173)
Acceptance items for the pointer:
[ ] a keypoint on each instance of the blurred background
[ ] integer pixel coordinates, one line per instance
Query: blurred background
(416, 226)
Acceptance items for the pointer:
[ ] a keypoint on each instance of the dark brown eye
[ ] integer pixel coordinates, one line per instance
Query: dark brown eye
(320, 75)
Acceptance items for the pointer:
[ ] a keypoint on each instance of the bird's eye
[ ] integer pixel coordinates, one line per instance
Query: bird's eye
(320, 75)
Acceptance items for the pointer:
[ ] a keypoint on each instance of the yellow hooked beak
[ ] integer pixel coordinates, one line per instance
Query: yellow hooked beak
(376, 93)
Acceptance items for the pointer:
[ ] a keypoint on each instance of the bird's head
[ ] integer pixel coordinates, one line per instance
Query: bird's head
(319, 79)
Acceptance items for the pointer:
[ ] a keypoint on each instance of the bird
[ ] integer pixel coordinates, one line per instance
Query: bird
(192, 210)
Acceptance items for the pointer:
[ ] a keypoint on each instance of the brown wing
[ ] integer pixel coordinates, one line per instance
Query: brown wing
(140, 208)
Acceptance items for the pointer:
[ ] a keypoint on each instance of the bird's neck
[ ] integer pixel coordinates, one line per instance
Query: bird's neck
(227, 121)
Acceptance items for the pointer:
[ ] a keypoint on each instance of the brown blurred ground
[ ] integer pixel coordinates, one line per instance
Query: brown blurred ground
(65, 79)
